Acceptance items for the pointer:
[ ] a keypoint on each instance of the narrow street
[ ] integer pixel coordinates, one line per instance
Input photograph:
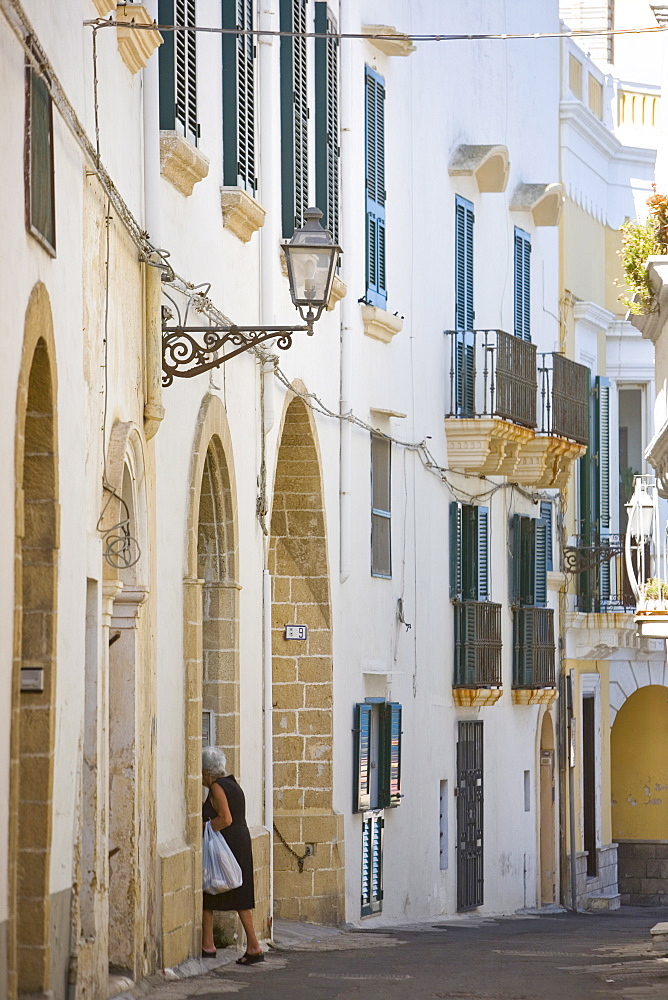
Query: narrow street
(525, 957)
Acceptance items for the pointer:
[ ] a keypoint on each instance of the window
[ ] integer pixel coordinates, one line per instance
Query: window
(372, 864)
(469, 548)
(294, 116)
(377, 775)
(208, 738)
(374, 132)
(529, 561)
(39, 174)
(464, 219)
(239, 97)
(522, 284)
(327, 119)
(178, 69)
(381, 507)
(575, 76)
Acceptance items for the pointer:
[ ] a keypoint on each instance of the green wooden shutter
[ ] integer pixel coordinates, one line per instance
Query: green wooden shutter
(167, 67)
(464, 219)
(40, 191)
(178, 69)
(389, 757)
(482, 555)
(465, 647)
(362, 757)
(239, 96)
(524, 566)
(374, 137)
(602, 432)
(546, 510)
(327, 119)
(540, 562)
(456, 546)
(294, 115)
(522, 268)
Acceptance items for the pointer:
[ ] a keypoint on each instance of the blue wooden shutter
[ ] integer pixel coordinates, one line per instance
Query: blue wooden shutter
(294, 116)
(482, 560)
(540, 562)
(327, 119)
(602, 438)
(546, 510)
(522, 284)
(239, 96)
(389, 756)
(456, 544)
(374, 132)
(372, 865)
(362, 757)
(464, 219)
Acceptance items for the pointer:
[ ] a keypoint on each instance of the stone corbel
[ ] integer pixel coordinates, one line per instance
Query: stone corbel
(535, 696)
(136, 47)
(181, 163)
(127, 606)
(104, 6)
(389, 41)
(475, 697)
(488, 164)
(544, 201)
(380, 324)
(242, 214)
(339, 291)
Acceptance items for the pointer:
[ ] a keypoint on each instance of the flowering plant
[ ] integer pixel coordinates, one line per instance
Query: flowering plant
(641, 240)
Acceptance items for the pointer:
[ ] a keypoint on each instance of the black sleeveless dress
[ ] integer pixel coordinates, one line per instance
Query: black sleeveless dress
(238, 838)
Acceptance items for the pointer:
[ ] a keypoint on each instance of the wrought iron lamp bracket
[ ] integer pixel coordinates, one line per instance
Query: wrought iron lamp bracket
(188, 351)
(580, 559)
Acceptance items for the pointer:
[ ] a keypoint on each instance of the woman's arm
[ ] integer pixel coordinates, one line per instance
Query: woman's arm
(220, 804)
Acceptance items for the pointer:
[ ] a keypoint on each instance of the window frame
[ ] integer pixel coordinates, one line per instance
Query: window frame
(47, 244)
(377, 755)
(380, 512)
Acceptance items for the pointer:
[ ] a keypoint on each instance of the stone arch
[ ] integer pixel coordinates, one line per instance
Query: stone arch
(34, 653)
(627, 677)
(302, 681)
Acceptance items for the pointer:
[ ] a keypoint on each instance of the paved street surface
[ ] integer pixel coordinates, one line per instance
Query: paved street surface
(557, 956)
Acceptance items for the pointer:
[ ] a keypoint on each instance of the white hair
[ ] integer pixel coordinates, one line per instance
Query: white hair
(214, 762)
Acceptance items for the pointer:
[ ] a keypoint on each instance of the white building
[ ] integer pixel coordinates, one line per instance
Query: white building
(158, 541)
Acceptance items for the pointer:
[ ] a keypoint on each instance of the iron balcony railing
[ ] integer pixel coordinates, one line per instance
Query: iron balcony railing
(533, 648)
(564, 398)
(477, 644)
(492, 374)
(599, 566)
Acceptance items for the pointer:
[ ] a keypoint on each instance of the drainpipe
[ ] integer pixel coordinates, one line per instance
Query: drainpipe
(153, 408)
(348, 308)
(269, 236)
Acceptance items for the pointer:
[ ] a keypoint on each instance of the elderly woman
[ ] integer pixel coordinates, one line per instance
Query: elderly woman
(225, 809)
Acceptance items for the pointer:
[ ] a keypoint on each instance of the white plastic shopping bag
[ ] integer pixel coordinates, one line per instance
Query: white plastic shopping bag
(220, 868)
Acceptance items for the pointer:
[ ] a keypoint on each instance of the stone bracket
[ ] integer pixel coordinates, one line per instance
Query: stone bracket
(242, 214)
(388, 40)
(136, 47)
(380, 324)
(181, 163)
(475, 697)
(535, 696)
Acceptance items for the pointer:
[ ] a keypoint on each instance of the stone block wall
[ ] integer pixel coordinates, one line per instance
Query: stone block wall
(176, 869)
(643, 872)
(605, 881)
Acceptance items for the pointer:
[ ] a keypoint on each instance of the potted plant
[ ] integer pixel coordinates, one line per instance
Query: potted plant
(641, 240)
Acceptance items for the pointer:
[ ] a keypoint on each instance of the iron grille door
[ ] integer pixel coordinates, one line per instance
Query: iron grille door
(469, 816)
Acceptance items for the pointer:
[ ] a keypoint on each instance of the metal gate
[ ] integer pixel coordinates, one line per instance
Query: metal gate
(469, 816)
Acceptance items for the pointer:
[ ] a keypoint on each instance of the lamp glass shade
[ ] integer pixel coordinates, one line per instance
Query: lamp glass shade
(310, 273)
(641, 515)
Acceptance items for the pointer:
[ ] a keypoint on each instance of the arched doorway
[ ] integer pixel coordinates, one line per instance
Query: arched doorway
(548, 877)
(302, 684)
(34, 676)
(639, 785)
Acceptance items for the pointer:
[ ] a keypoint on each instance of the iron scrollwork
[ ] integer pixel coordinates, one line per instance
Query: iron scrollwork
(184, 356)
(584, 557)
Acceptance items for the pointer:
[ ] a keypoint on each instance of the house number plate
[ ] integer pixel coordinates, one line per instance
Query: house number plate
(296, 631)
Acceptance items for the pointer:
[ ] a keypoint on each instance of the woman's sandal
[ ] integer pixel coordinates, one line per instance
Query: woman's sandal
(208, 954)
(247, 959)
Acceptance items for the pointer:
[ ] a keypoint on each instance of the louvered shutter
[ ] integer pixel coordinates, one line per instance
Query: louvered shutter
(185, 46)
(239, 96)
(465, 645)
(167, 67)
(464, 219)
(602, 437)
(465, 374)
(546, 509)
(372, 864)
(374, 131)
(327, 119)
(456, 582)
(40, 195)
(366, 865)
(482, 555)
(540, 562)
(389, 757)
(522, 268)
(362, 757)
(523, 560)
(294, 115)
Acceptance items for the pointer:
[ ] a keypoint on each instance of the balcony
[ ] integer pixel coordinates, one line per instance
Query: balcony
(534, 679)
(508, 415)
(599, 567)
(477, 677)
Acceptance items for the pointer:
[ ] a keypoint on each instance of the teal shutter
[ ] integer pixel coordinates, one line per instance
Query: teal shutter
(239, 96)
(372, 865)
(469, 552)
(389, 756)
(465, 645)
(522, 267)
(524, 537)
(465, 374)
(40, 192)
(464, 219)
(294, 115)
(456, 545)
(602, 438)
(540, 562)
(178, 69)
(482, 555)
(327, 118)
(374, 135)
(362, 757)
(546, 510)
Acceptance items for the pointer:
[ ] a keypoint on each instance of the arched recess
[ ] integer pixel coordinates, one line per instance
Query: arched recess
(547, 828)
(302, 682)
(130, 697)
(31, 947)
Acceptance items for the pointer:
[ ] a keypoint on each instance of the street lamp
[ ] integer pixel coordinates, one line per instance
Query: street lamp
(311, 256)
(651, 616)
